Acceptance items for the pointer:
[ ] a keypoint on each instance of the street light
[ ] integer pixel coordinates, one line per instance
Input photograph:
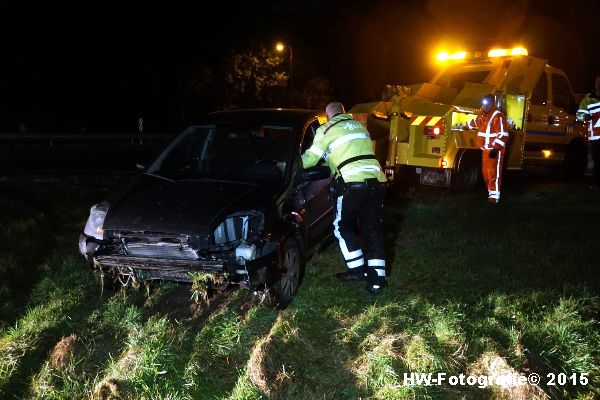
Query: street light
(280, 47)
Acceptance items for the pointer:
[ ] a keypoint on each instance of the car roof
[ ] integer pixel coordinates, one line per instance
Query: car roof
(263, 116)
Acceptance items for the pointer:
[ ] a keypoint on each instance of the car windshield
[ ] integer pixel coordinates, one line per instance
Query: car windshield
(232, 152)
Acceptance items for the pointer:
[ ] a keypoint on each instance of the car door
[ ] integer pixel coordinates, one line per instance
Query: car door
(313, 196)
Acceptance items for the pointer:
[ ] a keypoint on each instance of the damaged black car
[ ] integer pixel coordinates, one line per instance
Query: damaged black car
(227, 197)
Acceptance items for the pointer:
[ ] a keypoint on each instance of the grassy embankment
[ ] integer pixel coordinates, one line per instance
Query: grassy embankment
(472, 290)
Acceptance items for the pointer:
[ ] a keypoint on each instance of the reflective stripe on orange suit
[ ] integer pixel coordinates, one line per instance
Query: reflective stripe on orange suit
(492, 172)
(492, 133)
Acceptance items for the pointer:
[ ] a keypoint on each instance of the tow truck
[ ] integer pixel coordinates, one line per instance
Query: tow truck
(419, 130)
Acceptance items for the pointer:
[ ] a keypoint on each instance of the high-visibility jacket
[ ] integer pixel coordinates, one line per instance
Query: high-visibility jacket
(492, 130)
(345, 145)
(589, 110)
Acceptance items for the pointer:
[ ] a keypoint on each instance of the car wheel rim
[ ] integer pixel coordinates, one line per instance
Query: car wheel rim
(289, 275)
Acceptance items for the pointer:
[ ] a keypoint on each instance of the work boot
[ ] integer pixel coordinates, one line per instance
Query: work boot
(350, 275)
(493, 201)
(375, 283)
(376, 288)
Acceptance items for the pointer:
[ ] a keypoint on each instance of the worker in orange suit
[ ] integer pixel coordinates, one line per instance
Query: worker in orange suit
(492, 138)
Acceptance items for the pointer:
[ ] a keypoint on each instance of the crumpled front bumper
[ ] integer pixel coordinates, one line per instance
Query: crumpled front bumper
(87, 245)
(146, 268)
(255, 274)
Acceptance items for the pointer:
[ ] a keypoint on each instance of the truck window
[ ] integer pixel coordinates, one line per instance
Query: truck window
(458, 80)
(562, 95)
(539, 96)
(514, 105)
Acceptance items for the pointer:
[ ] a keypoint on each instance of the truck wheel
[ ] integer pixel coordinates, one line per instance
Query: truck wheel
(468, 174)
(404, 182)
(403, 177)
(290, 269)
(575, 161)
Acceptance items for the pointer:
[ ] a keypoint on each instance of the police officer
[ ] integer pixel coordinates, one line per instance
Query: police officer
(589, 111)
(492, 138)
(345, 145)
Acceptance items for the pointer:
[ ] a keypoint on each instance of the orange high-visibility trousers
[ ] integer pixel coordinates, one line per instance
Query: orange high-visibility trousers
(492, 172)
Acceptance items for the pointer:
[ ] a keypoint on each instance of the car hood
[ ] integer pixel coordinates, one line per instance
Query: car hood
(155, 204)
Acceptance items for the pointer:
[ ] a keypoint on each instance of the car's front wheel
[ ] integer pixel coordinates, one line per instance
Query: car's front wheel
(290, 269)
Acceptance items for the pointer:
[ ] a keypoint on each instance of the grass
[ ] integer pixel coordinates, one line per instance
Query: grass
(472, 289)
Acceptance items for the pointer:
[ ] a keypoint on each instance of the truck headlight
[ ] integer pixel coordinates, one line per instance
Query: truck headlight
(239, 226)
(94, 226)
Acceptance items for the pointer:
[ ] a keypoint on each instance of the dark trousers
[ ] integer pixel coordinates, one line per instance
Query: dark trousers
(595, 145)
(364, 205)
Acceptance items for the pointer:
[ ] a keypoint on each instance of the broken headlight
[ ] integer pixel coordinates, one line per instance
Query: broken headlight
(95, 224)
(240, 226)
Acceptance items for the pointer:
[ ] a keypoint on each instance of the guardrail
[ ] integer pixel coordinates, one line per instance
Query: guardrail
(52, 138)
(77, 151)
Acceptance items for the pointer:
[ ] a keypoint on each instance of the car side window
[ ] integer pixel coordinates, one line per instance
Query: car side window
(309, 135)
(539, 96)
(562, 96)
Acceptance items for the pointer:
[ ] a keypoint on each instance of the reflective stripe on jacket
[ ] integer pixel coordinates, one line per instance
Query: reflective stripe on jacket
(339, 140)
(492, 130)
(589, 110)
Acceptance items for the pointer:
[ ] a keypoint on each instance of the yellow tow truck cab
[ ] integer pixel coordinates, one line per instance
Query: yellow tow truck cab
(420, 129)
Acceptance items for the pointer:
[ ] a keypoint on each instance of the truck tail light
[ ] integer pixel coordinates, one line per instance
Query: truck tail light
(432, 126)
(433, 130)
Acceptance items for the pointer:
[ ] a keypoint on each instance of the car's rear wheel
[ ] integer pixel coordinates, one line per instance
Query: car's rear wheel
(290, 270)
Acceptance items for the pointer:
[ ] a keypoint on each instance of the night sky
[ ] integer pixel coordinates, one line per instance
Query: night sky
(100, 65)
